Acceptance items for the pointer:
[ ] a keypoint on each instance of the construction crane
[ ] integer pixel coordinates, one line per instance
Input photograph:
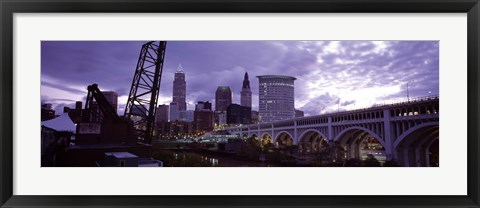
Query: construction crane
(101, 124)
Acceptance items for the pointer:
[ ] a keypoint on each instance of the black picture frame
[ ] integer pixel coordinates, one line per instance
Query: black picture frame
(9, 7)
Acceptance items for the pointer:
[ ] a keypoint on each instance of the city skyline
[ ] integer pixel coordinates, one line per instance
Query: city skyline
(331, 75)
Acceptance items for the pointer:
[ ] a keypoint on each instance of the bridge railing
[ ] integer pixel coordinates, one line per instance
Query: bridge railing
(413, 100)
(373, 107)
(386, 104)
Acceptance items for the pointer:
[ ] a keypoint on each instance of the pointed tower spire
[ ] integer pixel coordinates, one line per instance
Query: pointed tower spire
(180, 68)
(246, 93)
(246, 82)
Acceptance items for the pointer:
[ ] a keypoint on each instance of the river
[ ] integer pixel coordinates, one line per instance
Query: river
(188, 158)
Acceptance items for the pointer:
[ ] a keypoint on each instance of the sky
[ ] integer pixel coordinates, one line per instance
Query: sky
(331, 75)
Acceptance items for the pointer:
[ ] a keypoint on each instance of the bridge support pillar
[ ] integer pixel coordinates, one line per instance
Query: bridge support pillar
(388, 135)
(330, 131)
(295, 132)
(352, 150)
(258, 132)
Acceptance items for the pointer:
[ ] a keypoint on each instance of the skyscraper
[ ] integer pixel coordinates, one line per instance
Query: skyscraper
(180, 89)
(276, 98)
(174, 112)
(223, 98)
(246, 93)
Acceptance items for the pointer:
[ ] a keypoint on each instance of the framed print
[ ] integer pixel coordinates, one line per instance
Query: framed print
(246, 104)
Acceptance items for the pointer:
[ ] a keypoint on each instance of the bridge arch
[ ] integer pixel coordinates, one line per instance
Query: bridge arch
(265, 139)
(283, 138)
(277, 136)
(418, 146)
(265, 134)
(411, 130)
(358, 142)
(244, 136)
(311, 141)
(373, 134)
(310, 131)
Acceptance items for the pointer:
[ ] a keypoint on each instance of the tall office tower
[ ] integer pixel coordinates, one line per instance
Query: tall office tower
(276, 98)
(112, 98)
(174, 112)
(246, 93)
(180, 89)
(223, 98)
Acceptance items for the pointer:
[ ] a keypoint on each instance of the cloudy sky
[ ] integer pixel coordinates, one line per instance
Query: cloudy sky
(331, 75)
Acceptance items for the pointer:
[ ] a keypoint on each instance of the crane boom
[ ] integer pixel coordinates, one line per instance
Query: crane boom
(102, 103)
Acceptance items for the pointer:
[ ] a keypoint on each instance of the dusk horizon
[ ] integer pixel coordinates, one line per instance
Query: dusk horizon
(330, 75)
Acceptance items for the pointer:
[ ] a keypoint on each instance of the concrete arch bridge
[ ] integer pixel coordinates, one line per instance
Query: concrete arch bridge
(406, 132)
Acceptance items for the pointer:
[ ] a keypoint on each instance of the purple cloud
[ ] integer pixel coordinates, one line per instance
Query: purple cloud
(356, 72)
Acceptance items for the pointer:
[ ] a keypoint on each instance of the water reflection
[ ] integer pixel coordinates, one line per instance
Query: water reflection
(191, 159)
(210, 160)
(197, 159)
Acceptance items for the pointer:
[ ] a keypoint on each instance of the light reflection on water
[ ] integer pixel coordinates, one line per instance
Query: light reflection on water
(207, 160)
(212, 161)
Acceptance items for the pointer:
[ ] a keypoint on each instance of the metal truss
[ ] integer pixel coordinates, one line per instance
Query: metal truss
(143, 96)
(99, 109)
